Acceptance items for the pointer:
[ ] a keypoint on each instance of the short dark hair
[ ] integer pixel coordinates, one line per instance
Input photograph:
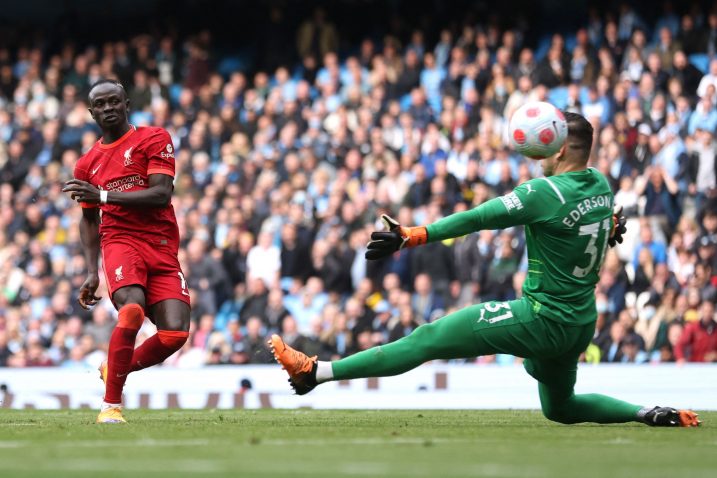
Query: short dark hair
(110, 81)
(580, 132)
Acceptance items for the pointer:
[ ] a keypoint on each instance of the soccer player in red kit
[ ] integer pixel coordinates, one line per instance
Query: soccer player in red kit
(124, 184)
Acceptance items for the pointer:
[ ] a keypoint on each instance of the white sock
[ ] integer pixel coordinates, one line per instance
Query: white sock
(324, 371)
(106, 405)
(642, 412)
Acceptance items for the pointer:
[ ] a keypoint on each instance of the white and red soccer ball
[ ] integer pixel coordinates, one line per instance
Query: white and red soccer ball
(537, 130)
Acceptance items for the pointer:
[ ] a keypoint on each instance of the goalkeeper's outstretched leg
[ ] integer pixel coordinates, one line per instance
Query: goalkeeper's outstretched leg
(447, 338)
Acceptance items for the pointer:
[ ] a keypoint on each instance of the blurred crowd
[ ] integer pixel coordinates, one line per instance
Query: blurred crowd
(282, 174)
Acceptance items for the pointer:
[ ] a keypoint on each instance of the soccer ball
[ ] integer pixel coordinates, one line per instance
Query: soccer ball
(537, 130)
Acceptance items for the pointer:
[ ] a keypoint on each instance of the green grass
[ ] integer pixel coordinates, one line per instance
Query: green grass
(310, 443)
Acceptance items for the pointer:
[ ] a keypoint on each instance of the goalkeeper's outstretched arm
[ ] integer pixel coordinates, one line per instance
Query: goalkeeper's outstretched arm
(494, 214)
(520, 207)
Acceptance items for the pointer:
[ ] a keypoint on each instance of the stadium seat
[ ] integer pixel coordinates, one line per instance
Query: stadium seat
(570, 42)
(558, 96)
(140, 118)
(174, 91)
(405, 102)
(230, 64)
(701, 61)
(542, 49)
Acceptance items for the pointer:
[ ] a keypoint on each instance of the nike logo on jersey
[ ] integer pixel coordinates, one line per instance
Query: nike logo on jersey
(95, 170)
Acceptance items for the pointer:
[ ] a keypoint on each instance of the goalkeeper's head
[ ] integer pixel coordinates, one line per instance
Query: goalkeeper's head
(575, 153)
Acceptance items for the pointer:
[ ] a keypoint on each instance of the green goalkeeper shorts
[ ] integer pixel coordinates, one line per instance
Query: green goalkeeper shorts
(551, 349)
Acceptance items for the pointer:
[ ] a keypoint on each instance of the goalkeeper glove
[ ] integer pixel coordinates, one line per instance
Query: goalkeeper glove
(385, 243)
(618, 226)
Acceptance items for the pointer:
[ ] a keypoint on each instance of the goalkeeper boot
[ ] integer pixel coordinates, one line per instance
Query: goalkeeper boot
(300, 367)
(671, 417)
(111, 415)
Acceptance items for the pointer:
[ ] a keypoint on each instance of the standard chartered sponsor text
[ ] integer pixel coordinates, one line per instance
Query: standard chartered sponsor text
(125, 183)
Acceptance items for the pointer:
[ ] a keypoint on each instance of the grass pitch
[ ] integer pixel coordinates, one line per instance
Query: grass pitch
(311, 443)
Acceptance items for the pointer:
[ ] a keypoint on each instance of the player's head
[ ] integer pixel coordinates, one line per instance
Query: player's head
(577, 147)
(109, 104)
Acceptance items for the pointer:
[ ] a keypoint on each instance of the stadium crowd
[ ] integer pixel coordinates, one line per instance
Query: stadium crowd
(283, 174)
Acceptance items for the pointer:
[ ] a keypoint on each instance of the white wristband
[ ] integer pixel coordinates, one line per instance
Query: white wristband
(103, 196)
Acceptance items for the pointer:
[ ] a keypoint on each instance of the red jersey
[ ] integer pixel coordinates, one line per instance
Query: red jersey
(125, 165)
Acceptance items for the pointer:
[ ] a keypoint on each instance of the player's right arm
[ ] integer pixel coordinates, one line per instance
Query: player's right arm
(526, 204)
(90, 238)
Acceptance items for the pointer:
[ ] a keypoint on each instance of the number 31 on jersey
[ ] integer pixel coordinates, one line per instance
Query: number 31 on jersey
(593, 230)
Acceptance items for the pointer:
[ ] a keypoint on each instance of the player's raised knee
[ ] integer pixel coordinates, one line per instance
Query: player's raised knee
(131, 316)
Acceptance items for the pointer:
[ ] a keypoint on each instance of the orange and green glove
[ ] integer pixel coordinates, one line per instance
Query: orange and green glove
(396, 237)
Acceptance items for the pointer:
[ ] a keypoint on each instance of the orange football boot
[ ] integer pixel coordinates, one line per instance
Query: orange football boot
(300, 367)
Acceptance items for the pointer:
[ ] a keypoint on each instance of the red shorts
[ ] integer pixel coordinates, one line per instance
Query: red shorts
(154, 267)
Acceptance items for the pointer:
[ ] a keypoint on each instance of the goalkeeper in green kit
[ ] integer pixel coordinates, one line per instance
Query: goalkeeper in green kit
(569, 223)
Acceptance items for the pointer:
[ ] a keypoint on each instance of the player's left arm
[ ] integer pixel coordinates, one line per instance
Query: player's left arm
(160, 174)
(158, 194)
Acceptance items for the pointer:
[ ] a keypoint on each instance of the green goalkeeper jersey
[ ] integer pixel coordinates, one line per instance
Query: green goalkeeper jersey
(568, 219)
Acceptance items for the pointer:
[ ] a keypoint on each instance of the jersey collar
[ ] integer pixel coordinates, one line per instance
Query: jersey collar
(121, 139)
